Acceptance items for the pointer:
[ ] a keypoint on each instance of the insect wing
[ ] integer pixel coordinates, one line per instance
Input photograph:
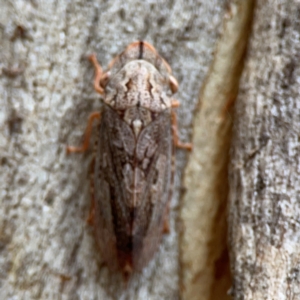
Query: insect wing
(115, 149)
(132, 187)
(153, 161)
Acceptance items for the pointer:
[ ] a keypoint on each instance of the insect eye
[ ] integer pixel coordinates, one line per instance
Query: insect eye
(173, 84)
(104, 79)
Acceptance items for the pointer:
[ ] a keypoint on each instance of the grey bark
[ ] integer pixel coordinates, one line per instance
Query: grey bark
(204, 254)
(264, 228)
(46, 249)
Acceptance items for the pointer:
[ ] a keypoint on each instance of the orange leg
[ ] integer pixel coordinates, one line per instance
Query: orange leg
(166, 225)
(91, 217)
(177, 143)
(87, 135)
(228, 107)
(98, 74)
(175, 103)
(166, 228)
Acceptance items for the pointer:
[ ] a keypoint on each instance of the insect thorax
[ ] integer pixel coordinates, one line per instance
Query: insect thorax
(138, 84)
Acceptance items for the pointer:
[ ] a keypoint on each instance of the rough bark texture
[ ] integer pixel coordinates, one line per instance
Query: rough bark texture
(264, 228)
(205, 262)
(46, 249)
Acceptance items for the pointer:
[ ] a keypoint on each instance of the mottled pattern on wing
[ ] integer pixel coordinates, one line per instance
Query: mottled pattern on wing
(136, 202)
(153, 151)
(115, 148)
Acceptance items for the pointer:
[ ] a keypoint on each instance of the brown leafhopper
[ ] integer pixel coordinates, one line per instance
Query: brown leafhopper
(133, 164)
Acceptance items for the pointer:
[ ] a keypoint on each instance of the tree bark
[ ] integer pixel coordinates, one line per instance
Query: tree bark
(204, 249)
(47, 251)
(264, 213)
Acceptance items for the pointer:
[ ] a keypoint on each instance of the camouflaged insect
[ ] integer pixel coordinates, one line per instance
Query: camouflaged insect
(133, 167)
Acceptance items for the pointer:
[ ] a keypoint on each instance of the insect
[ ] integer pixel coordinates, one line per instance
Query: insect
(133, 158)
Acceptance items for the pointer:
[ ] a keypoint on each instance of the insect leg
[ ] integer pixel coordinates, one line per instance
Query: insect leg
(87, 134)
(98, 73)
(176, 140)
(166, 225)
(175, 103)
(90, 218)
